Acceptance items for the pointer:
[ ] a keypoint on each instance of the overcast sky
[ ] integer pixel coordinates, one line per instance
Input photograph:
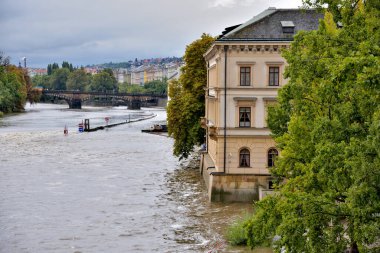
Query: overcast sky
(98, 31)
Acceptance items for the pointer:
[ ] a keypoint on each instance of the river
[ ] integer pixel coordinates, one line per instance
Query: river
(114, 190)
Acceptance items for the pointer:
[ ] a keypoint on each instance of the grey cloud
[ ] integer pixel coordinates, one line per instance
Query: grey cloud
(95, 31)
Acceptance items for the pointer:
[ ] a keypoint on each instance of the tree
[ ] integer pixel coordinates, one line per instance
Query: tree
(108, 71)
(327, 124)
(103, 81)
(42, 81)
(77, 80)
(131, 88)
(186, 104)
(13, 87)
(49, 69)
(59, 78)
(67, 65)
(157, 86)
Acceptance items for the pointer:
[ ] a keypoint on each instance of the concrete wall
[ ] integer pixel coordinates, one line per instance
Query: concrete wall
(237, 188)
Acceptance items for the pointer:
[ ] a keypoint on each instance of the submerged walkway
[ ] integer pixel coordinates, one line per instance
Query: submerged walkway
(118, 124)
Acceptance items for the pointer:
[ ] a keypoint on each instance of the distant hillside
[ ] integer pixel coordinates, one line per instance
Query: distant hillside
(136, 62)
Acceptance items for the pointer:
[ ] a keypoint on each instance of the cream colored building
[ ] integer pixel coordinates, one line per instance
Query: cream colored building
(148, 73)
(245, 71)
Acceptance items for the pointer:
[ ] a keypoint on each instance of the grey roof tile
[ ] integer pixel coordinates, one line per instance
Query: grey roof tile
(267, 26)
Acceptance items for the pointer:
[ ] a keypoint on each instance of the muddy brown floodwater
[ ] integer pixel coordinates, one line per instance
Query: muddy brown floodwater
(116, 190)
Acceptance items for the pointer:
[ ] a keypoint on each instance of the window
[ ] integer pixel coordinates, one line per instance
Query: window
(274, 74)
(244, 116)
(287, 26)
(272, 154)
(288, 30)
(244, 158)
(245, 76)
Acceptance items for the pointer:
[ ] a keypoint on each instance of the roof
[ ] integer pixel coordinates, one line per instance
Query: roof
(252, 21)
(228, 29)
(269, 24)
(287, 24)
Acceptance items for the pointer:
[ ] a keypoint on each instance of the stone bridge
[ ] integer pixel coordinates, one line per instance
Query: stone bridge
(75, 98)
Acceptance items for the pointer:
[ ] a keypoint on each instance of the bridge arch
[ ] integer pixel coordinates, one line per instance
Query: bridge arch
(75, 98)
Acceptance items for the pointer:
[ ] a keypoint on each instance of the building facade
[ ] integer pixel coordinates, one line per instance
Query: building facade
(147, 73)
(245, 71)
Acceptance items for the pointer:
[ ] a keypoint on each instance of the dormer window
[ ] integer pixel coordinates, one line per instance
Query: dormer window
(287, 26)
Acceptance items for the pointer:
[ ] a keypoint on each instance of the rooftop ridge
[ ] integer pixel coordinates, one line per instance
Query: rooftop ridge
(227, 34)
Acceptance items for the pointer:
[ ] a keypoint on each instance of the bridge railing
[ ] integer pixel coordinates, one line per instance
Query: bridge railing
(151, 94)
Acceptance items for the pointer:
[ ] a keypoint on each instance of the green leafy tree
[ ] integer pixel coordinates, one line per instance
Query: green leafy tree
(67, 65)
(14, 84)
(186, 104)
(42, 81)
(59, 78)
(103, 81)
(51, 68)
(156, 86)
(77, 80)
(327, 124)
(108, 71)
(12, 89)
(131, 88)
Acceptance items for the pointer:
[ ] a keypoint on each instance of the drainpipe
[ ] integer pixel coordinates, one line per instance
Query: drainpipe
(225, 107)
(206, 101)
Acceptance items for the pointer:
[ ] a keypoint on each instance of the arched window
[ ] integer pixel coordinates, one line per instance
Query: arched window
(244, 158)
(272, 154)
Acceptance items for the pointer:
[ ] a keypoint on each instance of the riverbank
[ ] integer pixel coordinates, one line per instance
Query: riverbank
(209, 219)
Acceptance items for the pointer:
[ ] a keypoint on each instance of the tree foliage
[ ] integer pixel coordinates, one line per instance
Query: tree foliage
(59, 78)
(186, 104)
(157, 86)
(68, 65)
(42, 81)
(15, 87)
(51, 68)
(131, 88)
(103, 81)
(78, 80)
(327, 124)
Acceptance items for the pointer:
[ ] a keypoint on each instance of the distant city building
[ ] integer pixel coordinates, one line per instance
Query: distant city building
(122, 75)
(147, 73)
(37, 72)
(92, 70)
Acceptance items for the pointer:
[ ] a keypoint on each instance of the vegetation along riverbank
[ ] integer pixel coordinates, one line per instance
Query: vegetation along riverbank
(325, 123)
(328, 129)
(15, 87)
